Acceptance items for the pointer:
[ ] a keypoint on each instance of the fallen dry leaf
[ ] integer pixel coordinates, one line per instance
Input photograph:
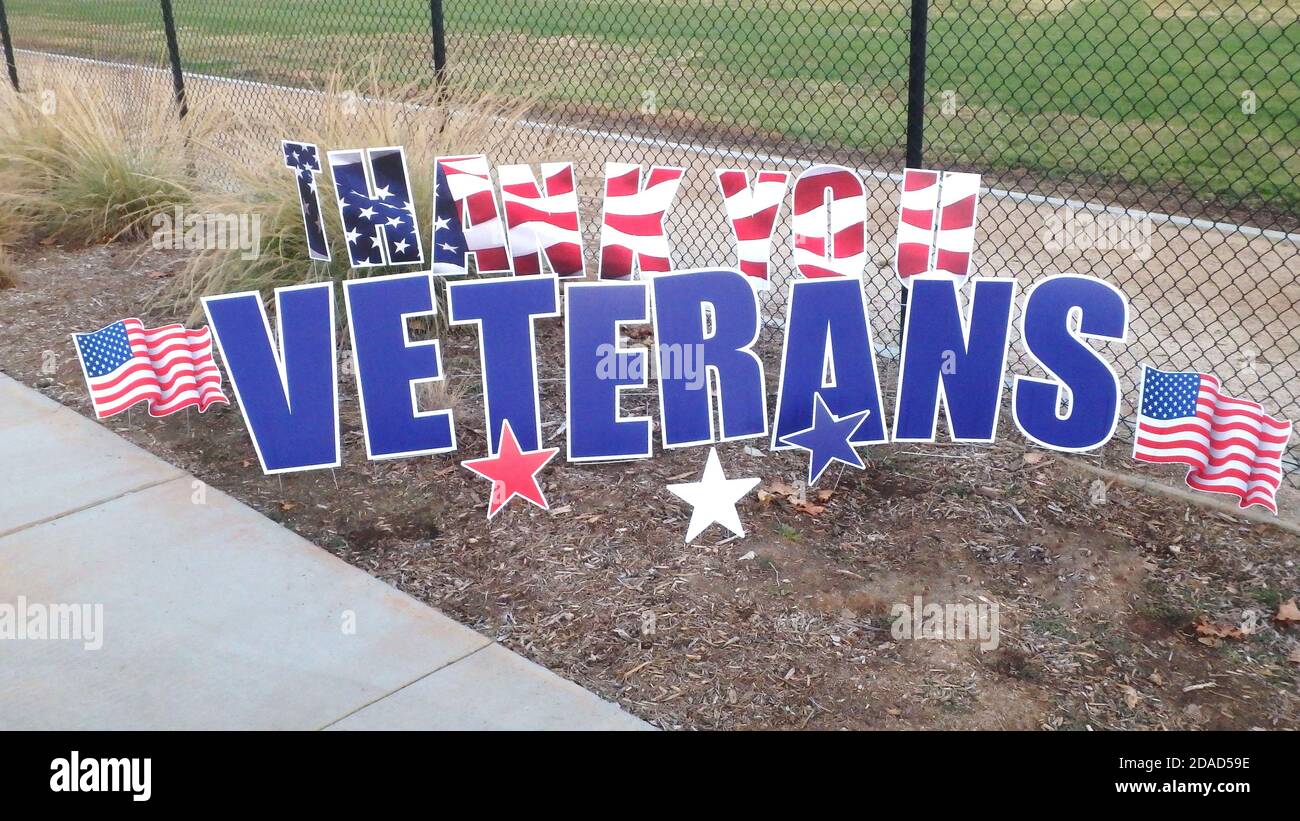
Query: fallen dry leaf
(1294, 656)
(1288, 612)
(779, 488)
(1131, 696)
(1208, 632)
(809, 508)
(1097, 492)
(799, 498)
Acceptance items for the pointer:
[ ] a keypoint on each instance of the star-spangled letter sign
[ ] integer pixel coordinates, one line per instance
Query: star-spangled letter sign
(374, 200)
(304, 159)
(448, 234)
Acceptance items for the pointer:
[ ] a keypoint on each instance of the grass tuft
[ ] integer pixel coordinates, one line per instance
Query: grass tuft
(8, 273)
(79, 168)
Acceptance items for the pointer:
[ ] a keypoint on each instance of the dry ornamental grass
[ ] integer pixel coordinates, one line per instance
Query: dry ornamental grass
(77, 169)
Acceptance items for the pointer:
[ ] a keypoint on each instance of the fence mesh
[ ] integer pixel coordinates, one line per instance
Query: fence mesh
(1153, 143)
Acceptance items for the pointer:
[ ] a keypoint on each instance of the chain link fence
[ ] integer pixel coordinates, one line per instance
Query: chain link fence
(1154, 143)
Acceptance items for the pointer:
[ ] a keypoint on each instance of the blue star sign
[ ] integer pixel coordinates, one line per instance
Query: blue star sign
(827, 440)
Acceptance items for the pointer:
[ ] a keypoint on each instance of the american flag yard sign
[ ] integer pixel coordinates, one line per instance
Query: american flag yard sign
(1229, 444)
(171, 368)
(304, 159)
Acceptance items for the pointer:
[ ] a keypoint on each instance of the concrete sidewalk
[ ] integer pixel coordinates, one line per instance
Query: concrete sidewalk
(215, 617)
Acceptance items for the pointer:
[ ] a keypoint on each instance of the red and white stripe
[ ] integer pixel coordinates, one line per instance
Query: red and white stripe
(752, 212)
(1231, 446)
(829, 222)
(936, 223)
(914, 244)
(955, 240)
(171, 368)
(632, 226)
(470, 182)
(542, 220)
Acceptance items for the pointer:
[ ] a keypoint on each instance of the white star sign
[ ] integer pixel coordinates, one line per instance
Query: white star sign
(713, 498)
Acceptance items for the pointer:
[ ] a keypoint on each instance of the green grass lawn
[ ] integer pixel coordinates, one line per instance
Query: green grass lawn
(1125, 89)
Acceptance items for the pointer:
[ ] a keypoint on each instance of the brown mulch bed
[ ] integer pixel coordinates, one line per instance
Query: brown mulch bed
(788, 627)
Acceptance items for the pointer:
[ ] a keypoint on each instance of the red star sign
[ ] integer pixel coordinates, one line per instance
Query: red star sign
(512, 472)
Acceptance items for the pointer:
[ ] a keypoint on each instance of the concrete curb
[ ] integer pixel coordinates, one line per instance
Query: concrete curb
(1253, 514)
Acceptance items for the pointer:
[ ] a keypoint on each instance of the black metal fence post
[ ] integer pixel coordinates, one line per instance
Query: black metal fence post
(174, 55)
(439, 44)
(915, 115)
(8, 46)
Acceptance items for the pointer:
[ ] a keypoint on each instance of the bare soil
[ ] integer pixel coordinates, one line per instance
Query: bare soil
(788, 627)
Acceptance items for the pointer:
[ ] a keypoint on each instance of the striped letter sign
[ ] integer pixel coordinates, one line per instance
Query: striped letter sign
(936, 223)
(752, 213)
(542, 221)
(632, 226)
(830, 195)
